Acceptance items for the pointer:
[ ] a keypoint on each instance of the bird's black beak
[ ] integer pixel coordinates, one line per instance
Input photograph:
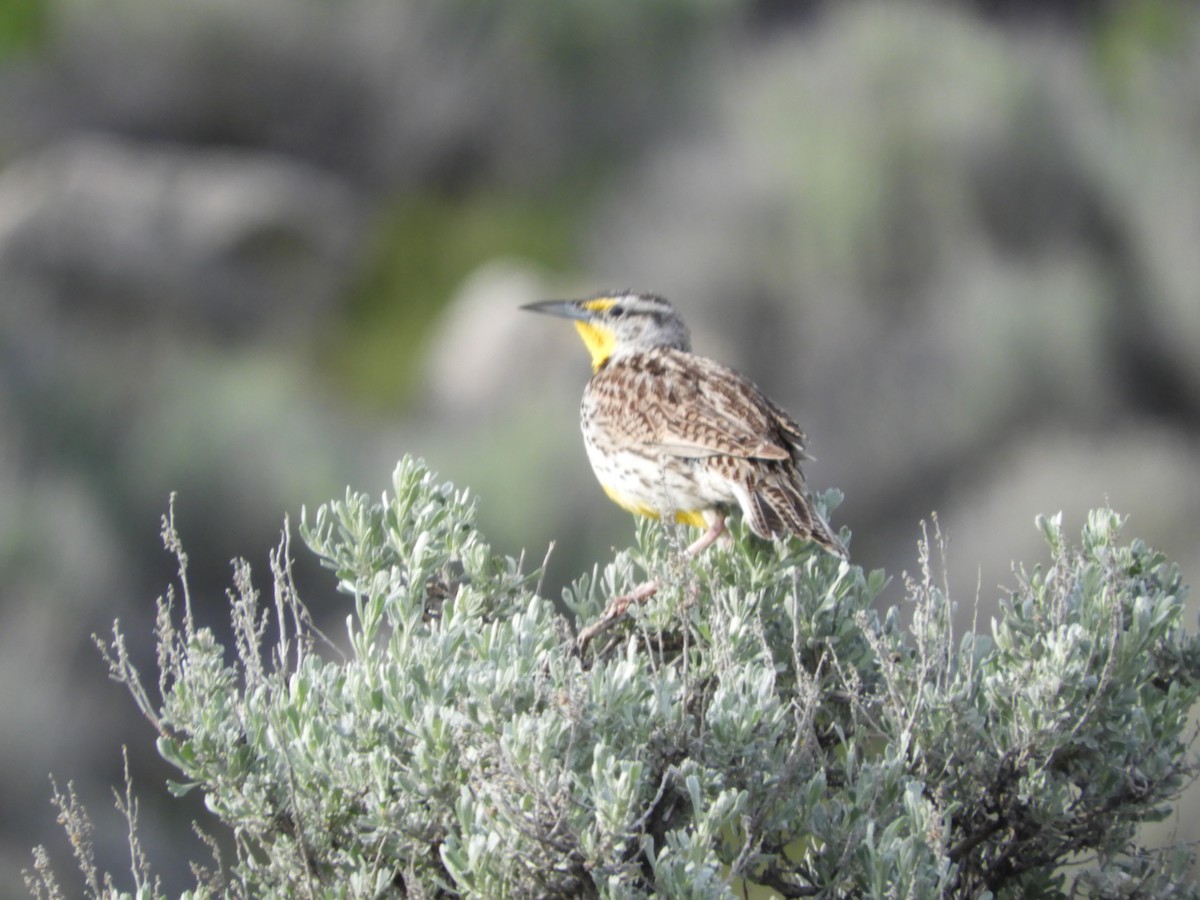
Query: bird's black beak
(567, 309)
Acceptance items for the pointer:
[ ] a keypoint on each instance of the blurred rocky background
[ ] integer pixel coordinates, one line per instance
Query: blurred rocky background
(252, 252)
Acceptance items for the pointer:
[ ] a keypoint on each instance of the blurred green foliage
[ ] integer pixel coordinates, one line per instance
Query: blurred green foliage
(23, 25)
(426, 244)
(1141, 32)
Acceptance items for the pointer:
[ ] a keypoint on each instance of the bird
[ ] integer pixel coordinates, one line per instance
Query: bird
(674, 435)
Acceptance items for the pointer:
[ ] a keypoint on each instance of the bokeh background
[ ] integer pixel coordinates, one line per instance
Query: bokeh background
(252, 252)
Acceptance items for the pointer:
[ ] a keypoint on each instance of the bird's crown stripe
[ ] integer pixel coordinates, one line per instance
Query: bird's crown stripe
(600, 304)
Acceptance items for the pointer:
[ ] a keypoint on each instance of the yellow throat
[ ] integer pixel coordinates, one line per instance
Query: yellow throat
(600, 340)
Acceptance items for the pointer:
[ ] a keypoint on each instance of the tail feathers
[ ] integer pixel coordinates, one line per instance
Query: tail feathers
(777, 509)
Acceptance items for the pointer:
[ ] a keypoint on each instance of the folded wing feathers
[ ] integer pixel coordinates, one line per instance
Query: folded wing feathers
(778, 508)
(718, 412)
(771, 447)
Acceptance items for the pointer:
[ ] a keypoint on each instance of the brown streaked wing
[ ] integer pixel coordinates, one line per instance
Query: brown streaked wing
(793, 435)
(689, 406)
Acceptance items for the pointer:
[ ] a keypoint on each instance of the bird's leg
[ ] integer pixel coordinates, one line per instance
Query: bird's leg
(716, 528)
(618, 606)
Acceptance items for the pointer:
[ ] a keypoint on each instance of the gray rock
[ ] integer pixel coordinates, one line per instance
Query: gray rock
(235, 244)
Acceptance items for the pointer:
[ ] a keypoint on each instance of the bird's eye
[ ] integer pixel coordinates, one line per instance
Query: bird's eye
(617, 311)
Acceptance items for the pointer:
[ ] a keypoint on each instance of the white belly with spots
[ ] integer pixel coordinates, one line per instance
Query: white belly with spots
(645, 485)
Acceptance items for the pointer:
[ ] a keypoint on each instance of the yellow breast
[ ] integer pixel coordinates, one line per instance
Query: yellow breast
(640, 508)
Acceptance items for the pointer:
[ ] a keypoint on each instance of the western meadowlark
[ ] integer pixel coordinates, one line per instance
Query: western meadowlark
(674, 435)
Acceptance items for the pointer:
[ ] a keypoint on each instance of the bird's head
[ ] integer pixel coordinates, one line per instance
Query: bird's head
(621, 322)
